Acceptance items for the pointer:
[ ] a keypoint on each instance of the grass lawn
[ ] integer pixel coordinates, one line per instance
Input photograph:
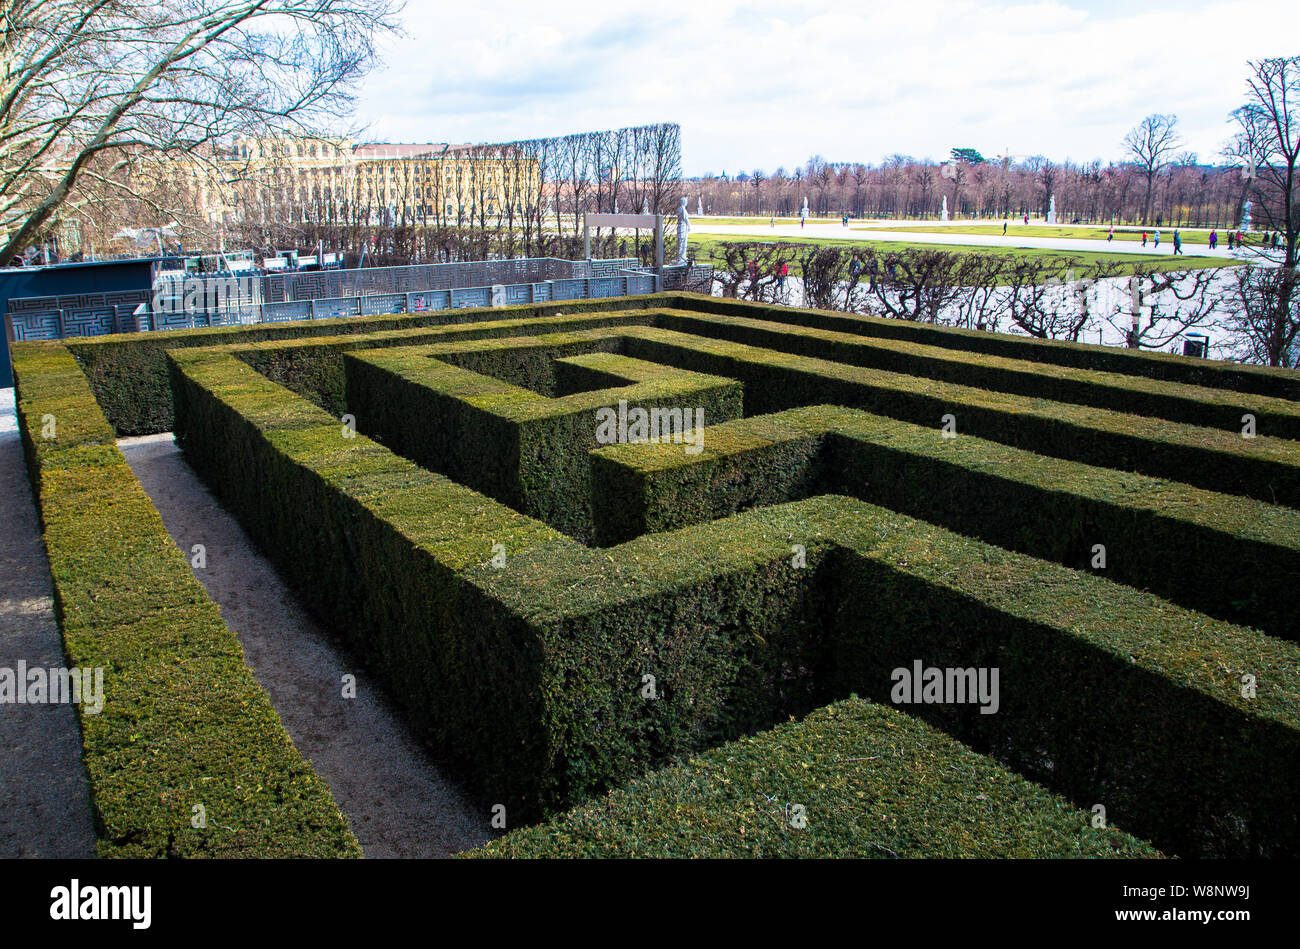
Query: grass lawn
(707, 248)
(1081, 233)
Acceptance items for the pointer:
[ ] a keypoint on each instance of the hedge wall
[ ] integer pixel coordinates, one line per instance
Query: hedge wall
(1264, 468)
(1262, 380)
(529, 677)
(183, 722)
(398, 559)
(128, 373)
(1227, 556)
(313, 368)
(129, 376)
(872, 782)
(1135, 395)
(525, 449)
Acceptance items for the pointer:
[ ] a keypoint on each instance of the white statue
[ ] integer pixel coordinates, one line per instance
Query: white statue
(683, 229)
(1051, 211)
(699, 206)
(943, 214)
(1245, 218)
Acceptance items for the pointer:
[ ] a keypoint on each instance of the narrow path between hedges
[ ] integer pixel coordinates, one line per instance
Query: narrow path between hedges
(397, 800)
(44, 793)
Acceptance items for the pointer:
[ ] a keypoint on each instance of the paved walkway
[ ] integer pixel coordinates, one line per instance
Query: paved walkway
(397, 800)
(44, 796)
(862, 231)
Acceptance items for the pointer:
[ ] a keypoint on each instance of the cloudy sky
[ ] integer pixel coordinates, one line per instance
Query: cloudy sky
(761, 84)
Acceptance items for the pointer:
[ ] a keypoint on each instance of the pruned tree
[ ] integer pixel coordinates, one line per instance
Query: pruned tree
(1150, 146)
(1263, 315)
(749, 269)
(1162, 305)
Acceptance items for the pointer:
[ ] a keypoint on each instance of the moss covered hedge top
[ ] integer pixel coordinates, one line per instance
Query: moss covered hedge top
(852, 780)
(187, 757)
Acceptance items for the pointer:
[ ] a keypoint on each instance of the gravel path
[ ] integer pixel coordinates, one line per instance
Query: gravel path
(395, 797)
(44, 796)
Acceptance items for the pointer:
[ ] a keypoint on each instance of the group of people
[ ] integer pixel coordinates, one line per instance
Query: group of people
(1155, 237)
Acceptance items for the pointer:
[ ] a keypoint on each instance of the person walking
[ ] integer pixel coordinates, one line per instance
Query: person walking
(1026, 219)
(1004, 228)
(1178, 243)
(1214, 240)
(1111, 236)
(781, 271)
(1144, 238)
(1157, 238)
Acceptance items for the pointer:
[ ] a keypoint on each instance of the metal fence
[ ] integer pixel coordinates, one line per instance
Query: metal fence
(276, 298)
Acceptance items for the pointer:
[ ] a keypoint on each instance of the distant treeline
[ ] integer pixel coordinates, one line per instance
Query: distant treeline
(1184, 193)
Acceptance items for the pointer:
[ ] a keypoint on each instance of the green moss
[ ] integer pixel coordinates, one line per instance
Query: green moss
(861, 780)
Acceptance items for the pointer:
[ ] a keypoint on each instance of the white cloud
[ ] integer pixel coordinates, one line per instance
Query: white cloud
(761, 84)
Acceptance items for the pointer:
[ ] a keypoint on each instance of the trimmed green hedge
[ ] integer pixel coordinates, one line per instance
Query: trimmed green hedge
(1261, 380)
(397, 558)
(872, 782)
(313, 368)
(183, 723)
(128, 372)
(525, 449)
(1227, 556)
(1264, 468)
(1135, 395)
(529, 677)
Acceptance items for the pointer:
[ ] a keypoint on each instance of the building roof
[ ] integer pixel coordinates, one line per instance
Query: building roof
(403, 149)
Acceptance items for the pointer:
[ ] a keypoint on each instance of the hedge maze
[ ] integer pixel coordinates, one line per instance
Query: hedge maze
(693, 645)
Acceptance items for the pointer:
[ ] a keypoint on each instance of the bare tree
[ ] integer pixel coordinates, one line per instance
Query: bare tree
(1150, 145)
(1162, 305)
(89, 86)
(1268, 137)
(1263, 315)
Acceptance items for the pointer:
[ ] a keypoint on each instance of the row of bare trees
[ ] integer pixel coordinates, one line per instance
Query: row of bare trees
(1048, 297)
(1183, 192)
(523, 198)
